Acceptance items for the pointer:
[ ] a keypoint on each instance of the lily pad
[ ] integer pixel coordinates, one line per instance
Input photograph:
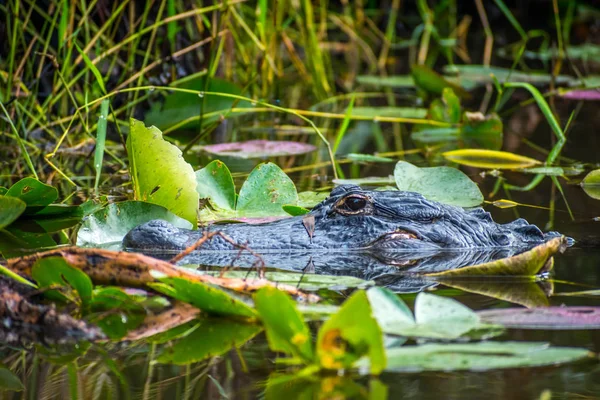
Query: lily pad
(559, 318)
(259, 149)
(159, 173)
(307, 282)
(265, 191)
(110, 224)
(210, 299)
(34, 193)
(10, 209)
(211, 338)
(480, 356)
(435, 317)
(309, 199)
(56, 272)
(527, 264)
(491, 159)
(215, 183)
(444, 184)
(591, 184)
(527, 294)
(285, 326)
(350, 334)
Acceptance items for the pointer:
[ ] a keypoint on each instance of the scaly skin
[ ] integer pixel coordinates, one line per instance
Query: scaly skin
(356, 219)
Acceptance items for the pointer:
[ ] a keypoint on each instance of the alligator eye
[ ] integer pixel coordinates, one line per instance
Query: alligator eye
(355, 203)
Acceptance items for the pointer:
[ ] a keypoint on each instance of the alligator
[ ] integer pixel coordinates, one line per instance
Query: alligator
(365, 233)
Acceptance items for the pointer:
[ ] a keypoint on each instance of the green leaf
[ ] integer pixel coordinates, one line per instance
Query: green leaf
(111, 224)
(471, 75)
(389, 310)
(368, 158)
(34, 193)
(369, 180)
(55, 271)
(444, 184)
(284, 325)
(9, 381)
(480, 356)
(482, 131)
(393, 81)
(159, 173)
(10, 209)
(591, 184)
(116, 312)
(92, 67)
(212, 338)
(208, 298)
(307, 282)
(351, 334)
(490, 159)
(215, 183)
(446, 109)
(265, 191)
(310, 199)
(394, 112)
(529, 263)
(432, 82)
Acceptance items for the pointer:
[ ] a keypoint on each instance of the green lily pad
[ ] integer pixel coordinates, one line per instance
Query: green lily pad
(309, 199)
(480, 356)
(435, 317)
(211, 338)
(591, 184)
(56, 272)
(10, 209)
(110, 224)
(527, 264)
(284, 325)
(34, 193)
(265, 191)
(215, 183)
(444, 184)
(350, 334)
(116, 312)
(208, 298)
(159, 173)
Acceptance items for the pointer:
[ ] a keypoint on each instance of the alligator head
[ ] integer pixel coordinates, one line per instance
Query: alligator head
(353, 218)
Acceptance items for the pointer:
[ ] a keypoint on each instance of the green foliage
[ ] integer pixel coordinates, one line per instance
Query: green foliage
(110, 224)
(55, 272)
(591, 184)
(153, 164)
(264, 193)
(444, 184)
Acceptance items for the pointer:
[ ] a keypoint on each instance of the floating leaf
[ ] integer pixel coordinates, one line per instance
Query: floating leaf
(210, 299)
(527, 294)
(211, 338)
(10, 209)
(432, 82)
(116, 312)
(310, 199)
(591, 184)
(351, 334)
(394, 112)
(446, 109)
(444, 184)
(259, 149)
(545, 318)
(548, 171)
(295, 210)
(112, 223)
(284, 325)
(394, 81)
(265, 191)
(307, 282)
(159, 173)
(470, 75)
(215, 183)
(529, 263)
(491, 159)
(55, 271)
(367, 158)
(480, 356)
(34, 193)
